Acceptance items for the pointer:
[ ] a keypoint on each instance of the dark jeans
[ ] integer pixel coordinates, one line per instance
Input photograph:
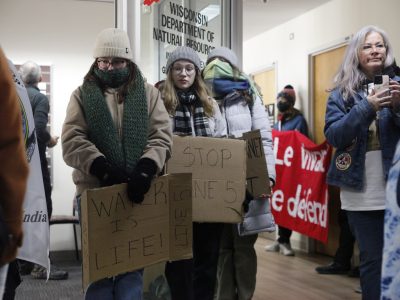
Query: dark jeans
(179, 275)
(367, 227)
(125, 286)
(12, 282)
(46, 179)
(346, 241)
(284, 235)
(202, 268)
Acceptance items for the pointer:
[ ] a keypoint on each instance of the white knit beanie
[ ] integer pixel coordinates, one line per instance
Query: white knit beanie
(225, 53)
(113, 42)
(185, 53)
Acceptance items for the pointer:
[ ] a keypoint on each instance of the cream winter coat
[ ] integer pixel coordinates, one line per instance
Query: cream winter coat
(241, 118)
(79, 152)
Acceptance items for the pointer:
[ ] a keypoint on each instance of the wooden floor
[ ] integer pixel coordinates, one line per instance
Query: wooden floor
(286, 278)
(278, 278)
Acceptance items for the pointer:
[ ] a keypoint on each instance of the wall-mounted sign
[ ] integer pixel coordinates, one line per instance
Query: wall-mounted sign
(174, 23)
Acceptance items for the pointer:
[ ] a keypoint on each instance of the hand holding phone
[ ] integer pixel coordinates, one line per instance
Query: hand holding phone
(381, 96)
(381, 83)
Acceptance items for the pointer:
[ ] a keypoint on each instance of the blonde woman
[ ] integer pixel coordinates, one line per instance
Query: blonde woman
(192, 112)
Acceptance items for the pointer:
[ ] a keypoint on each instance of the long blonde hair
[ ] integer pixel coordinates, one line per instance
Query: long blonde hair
(171, 99)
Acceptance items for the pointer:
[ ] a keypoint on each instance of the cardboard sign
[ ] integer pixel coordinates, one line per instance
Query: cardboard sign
(119, 236)
(218, 168)
(257, 173)
(181, 233)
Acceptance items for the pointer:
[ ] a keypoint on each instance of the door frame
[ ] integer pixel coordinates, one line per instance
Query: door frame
(311, 243)
(322, 49)
(271, 66)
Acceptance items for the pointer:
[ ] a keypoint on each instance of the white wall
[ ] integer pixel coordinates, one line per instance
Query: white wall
(60, 33)
(315, 30)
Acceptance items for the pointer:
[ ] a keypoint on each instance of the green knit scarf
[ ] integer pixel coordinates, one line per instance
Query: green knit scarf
(125, 152)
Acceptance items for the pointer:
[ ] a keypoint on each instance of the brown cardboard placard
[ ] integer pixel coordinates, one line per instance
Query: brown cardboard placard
(181, 233)
(256, 172)
(120, 236)
(218, 168)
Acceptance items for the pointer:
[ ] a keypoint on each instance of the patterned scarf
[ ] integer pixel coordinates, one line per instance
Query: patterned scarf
(218, 70)
(226, 86)
(125, 152)
(183, 126)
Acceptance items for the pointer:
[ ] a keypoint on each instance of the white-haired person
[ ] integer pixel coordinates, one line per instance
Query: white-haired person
(31, 75)
(363, 124)
(193, 113)
(241, 106)
(116, 130)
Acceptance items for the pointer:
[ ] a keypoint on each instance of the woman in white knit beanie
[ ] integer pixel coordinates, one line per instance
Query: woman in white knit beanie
(116, 131)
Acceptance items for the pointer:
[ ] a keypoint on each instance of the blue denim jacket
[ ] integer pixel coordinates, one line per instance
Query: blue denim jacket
(346, 129)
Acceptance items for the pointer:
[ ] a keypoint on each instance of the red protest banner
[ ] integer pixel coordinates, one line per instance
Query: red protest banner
(300, 196)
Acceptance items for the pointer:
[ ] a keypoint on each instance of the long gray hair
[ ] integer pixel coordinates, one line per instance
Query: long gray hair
(349, 78)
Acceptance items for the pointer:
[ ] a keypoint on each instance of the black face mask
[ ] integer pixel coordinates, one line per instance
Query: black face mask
(283, 106)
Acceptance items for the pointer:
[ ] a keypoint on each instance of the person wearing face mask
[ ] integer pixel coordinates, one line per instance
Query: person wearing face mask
(289, 118)
(241, 106)
(363, 124)
(116, 130)
(193, 113)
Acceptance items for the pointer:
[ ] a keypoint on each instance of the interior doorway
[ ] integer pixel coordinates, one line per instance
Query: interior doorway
(324, 66)
(266, 81)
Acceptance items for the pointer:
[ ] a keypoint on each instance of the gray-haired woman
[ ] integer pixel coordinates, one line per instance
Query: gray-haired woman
(364, 125)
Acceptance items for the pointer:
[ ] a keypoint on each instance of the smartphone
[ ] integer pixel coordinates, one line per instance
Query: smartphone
(381, 82)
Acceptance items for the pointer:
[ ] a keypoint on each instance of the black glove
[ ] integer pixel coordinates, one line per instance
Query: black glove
(247, 200)
(140, 181)
(106, 173)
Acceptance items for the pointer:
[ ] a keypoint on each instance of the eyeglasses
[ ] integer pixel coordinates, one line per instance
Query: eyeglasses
(106, 63)
(369, 48)
(190, 69)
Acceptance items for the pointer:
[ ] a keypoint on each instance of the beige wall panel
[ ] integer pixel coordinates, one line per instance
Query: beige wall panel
(266, 82)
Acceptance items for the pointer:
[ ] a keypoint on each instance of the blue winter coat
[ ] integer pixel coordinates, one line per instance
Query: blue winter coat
(346, 128)
(297, 122)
